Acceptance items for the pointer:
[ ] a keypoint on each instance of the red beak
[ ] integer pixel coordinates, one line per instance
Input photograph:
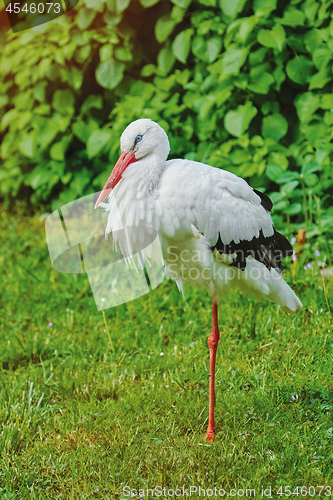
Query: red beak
(124, 160)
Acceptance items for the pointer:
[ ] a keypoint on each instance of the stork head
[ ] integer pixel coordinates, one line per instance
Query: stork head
(141, 139)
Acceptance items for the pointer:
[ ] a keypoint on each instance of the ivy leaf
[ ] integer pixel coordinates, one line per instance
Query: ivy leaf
(110, 73)
(84, 17)
(299, 69)
(164, 27)
(148, 70)
(77, 78)
(294, 209)
(293, 18)
(121, 5)
(321, 56)
(165, 60)
(123, 54)
(274, 172)
(97, 5)
(306, 104)
(81, 131)
(260, 81)
(182, 3)
(327, 101)
(319, 80)
(309, 168)
(230, 63)
(232, 8)
(287, 177)
(27, 145)
(274, 38)
(238, 121)
(63, 101)
(97, 141)
(262, 7)
(148, 3)
(274, 126)
(57, 151)
(182, 45)
(207, 50)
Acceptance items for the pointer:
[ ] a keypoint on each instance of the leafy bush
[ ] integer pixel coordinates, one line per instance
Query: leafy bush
(242, 85)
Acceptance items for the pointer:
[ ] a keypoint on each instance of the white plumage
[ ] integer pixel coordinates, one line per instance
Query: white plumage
(215, 231)
(195, 207)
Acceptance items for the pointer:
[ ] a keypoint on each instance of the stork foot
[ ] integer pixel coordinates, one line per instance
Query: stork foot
(210, 434)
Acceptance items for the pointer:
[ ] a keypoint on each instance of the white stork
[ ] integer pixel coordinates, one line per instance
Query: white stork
(215, 231)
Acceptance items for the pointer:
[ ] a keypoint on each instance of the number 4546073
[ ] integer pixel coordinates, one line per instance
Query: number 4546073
(39, 7)
(305, 491)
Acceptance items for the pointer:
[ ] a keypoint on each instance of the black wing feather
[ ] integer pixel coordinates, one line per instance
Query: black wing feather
(268, 250)
(265, 201)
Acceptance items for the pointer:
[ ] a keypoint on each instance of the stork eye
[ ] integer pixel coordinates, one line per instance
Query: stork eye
(138, 138)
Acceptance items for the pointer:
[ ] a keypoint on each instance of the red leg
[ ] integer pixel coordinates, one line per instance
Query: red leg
(213, 341)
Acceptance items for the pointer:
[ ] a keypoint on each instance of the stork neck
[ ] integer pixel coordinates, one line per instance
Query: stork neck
(145, 172)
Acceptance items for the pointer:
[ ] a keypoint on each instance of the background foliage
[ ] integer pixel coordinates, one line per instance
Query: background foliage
(242, 85)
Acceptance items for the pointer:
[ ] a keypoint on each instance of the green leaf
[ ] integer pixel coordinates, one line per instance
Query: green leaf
(177, 14)
(299, 69)
(208, 3)
(123, 54)
(293, 18)
(306, 104)
(207, 50)
(27, 145)
(110, 73)
(92, 101)
(309, 168)
(121, 5)
(232, 8)
(84, 17)
(327, 101)
(148, 3)
(182, 3)
(106, 52)
(238, 121)
(63, 101)
(320, 79)
(231, 62)
(294, 209)
(289, 187)
(97, 141)
(81, 131)
(165, 60)
(77, 78)
(274, 126)
(274, 172)
(260, 81)
(321, 56)
(311, 180)
(182, 45)
(164, 27)
(3, 101)
(274, 38)
(148, 70)
(279, 76)
(57, 151)
(262, 7)
(97, 5)
(287, 177)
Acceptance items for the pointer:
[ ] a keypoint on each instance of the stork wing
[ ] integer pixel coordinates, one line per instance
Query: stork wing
(233, 217)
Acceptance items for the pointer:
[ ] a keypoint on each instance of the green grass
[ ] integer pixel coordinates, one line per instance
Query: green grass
(81, 421)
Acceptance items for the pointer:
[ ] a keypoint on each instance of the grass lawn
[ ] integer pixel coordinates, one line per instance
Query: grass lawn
(80, 420)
